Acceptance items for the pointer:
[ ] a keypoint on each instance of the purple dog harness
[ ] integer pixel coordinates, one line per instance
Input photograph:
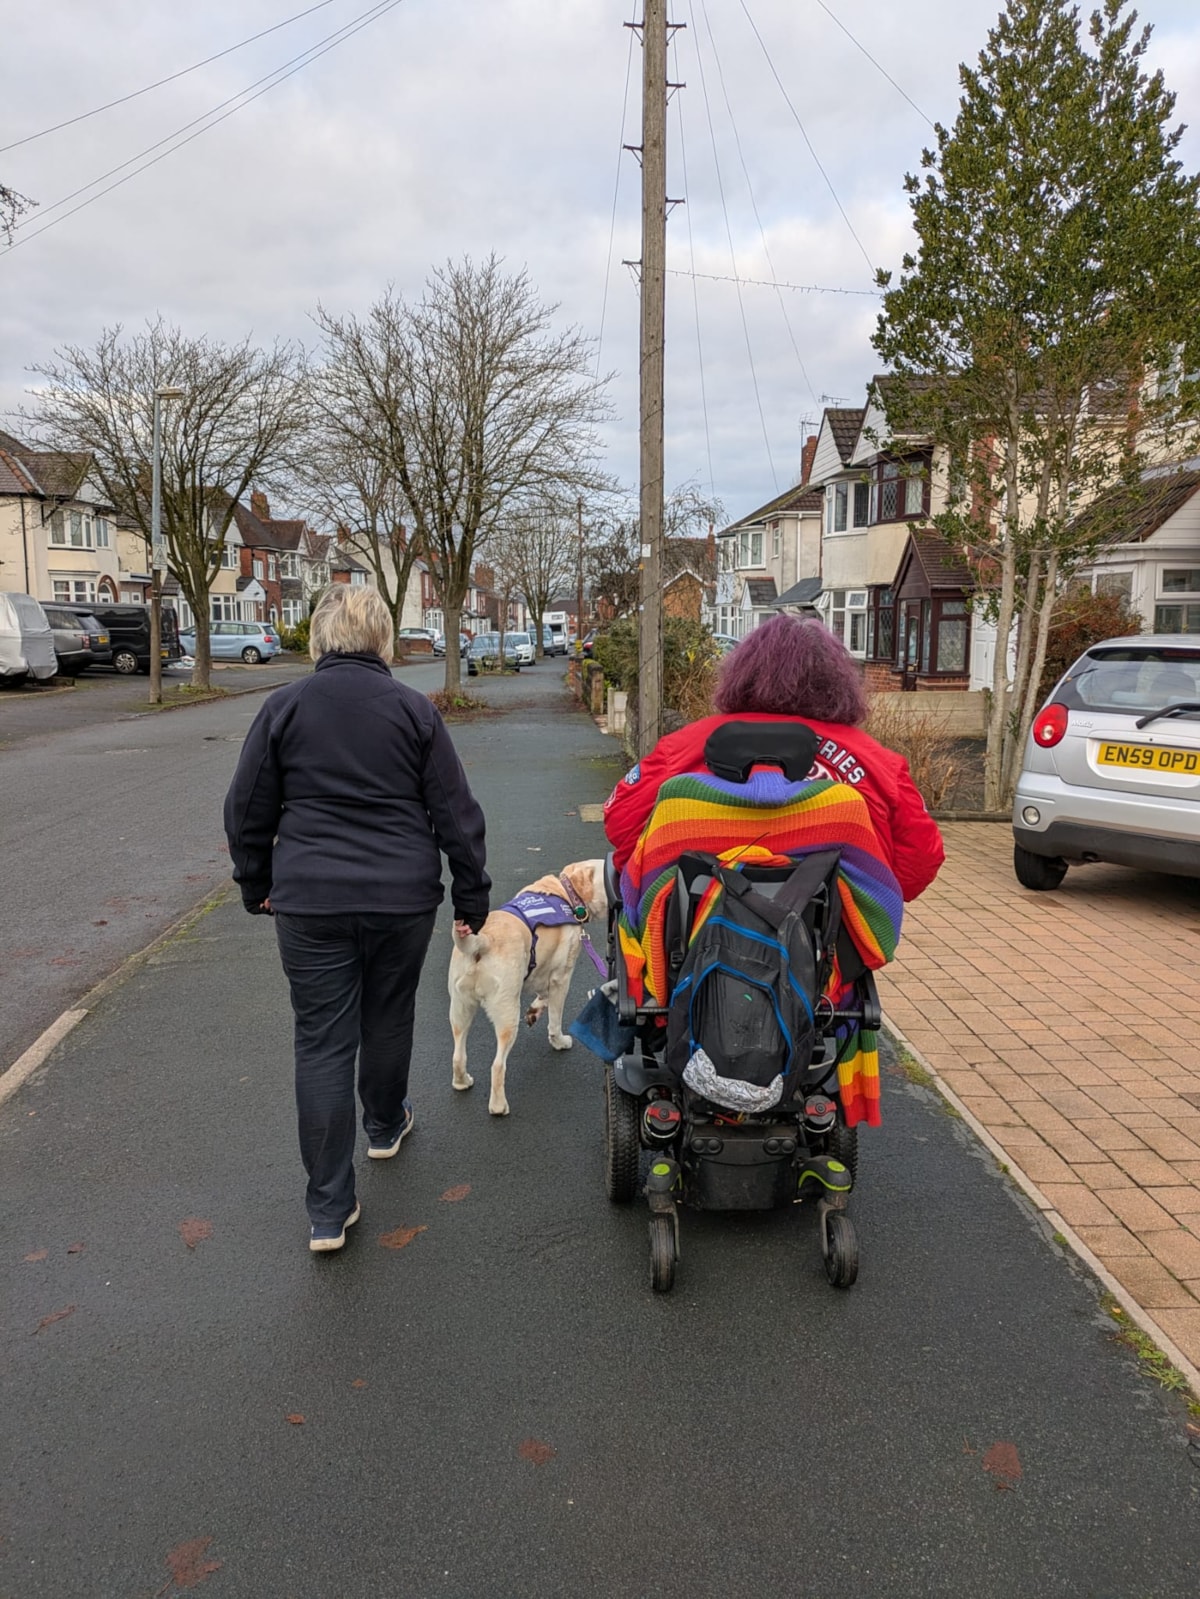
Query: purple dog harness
(538, 910)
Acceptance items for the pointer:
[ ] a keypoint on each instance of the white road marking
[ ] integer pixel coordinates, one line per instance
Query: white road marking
(25, 1065)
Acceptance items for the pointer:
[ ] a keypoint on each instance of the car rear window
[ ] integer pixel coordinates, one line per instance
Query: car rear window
(1132, 678)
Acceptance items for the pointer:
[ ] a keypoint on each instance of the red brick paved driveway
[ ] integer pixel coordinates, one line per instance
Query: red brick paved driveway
(1066, 1023)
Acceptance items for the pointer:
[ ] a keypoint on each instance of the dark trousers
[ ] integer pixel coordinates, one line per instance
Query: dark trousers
(354, 986)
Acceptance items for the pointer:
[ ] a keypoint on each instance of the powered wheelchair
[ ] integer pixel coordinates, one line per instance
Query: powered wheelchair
(742, 934)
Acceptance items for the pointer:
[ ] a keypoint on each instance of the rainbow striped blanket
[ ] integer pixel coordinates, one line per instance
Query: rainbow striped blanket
(766, 821)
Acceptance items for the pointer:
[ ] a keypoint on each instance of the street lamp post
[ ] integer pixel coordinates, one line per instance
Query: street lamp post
(158, 545)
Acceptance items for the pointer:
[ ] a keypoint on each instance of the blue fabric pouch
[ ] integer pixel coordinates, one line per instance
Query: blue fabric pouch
(600, 1029)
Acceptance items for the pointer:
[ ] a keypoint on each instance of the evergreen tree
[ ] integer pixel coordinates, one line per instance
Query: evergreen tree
(1045, 329)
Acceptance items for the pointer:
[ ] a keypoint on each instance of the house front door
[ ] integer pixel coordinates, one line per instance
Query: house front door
(910, 659)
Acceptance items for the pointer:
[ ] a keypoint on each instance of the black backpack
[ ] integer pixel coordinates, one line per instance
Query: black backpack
(746, 989)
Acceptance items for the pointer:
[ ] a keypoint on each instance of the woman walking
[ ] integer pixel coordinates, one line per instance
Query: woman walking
(347, 794)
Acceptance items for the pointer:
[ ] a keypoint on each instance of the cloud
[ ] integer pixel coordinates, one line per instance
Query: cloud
(496, 125)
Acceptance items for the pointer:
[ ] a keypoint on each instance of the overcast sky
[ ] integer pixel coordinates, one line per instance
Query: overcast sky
(448, 129)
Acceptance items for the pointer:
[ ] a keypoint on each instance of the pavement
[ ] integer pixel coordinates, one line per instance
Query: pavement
(1064, 1022)
(481, 1396)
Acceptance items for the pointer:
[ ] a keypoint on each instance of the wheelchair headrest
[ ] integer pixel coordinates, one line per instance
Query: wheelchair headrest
(735, 748)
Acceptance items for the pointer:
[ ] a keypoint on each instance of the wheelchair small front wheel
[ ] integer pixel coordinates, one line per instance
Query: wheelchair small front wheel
(662, 1253)
(622, 1141)
(841, 1252)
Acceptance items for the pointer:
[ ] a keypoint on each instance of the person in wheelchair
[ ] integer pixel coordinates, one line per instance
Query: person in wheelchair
(793, 670)
(761, 860)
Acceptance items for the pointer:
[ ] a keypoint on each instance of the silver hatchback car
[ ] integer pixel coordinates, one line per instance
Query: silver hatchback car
(1112, 766)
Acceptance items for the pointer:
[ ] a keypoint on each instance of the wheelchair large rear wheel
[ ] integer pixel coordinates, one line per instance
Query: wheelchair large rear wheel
(843, 1146)
(622, 1146)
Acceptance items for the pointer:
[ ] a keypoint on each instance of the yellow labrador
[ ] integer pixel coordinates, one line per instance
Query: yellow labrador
(493, 967)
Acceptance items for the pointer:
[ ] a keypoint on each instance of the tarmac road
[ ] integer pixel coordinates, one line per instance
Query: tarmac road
(502, 1407)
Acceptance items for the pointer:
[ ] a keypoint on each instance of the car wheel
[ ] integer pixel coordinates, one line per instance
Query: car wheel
(251, 656)
(125, 662)
(1038, 871)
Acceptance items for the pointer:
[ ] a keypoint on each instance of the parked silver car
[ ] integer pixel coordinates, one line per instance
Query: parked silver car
(26, 641)
(1112, 766)
(524, 651)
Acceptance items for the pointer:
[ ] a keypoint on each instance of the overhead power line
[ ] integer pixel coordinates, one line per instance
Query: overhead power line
(712, 133)
(209, 119)
(123, 99)
(804, 134)
(692, 274)
(773, 283)
(858, 45)
(612, 226)
(762, 232)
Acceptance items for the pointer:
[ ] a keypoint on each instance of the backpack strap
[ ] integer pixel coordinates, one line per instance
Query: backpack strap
(810, 875)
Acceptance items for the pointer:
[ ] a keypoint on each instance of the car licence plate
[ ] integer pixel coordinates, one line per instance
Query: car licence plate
(1149, 757)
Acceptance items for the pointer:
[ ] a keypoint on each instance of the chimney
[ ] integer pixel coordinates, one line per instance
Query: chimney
(710, 546)
(806, 458)
(343, 534)
(258, 504)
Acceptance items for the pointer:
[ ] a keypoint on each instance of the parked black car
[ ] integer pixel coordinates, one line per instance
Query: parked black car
(128, 627)
(72, 646)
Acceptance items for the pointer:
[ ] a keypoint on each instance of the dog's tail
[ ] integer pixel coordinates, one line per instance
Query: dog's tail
(473, 945)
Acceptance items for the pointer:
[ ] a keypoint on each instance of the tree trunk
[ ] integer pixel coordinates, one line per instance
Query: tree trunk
(993, 777)
(452, 620)
(993, 763)
(202, 670)
(1028, 706)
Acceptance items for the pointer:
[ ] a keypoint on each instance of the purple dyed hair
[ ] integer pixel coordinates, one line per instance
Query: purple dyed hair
(789, 667)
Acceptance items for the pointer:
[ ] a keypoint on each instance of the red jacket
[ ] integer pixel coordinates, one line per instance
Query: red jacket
(909, 836)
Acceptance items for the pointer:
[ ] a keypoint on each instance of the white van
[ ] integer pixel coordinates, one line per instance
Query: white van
(26, 640)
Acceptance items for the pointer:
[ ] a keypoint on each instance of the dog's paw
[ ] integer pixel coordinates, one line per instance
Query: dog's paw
(498, 1108)
(561, 1041)
(466, 1082)
(534, 1011)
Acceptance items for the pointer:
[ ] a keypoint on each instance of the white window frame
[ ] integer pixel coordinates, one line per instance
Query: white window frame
(76, 590)
(256, 567)
(750, 549)
(1168, 596)
(230, 559)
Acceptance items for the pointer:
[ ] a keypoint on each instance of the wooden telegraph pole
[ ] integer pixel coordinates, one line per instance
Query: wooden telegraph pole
(653, 281)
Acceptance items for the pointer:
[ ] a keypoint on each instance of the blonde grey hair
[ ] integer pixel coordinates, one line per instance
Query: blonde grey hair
(351, 621)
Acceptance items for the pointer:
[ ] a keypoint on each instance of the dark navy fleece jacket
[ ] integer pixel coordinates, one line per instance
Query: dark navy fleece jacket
(346, 795)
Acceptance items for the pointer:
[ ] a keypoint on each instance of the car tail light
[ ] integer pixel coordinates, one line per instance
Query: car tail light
(1050, 726)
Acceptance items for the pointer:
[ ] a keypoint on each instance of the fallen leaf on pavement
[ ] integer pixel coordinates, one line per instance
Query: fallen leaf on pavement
(400, 1237)
(1002, 1463)
(296, 1419)
(103, 922)
(55, 1315)
(459, 1191)
(359, 1382)
(535, 1451)
(194, 1230)
(187, 1565)
(76, 1249)
(36, 1255)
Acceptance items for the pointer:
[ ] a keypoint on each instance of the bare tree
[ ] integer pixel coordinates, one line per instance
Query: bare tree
(614, 547)
(537, 549)
(483, 404)
(347, 469)
(12, 205)
(240, 414)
